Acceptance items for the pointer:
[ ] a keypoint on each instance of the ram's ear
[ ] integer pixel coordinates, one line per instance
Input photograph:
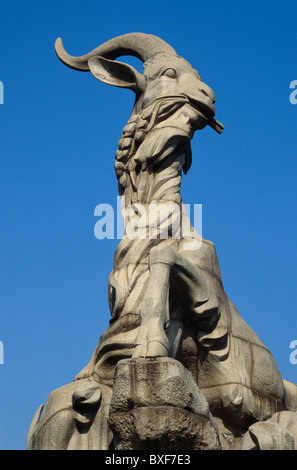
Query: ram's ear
(116, 74)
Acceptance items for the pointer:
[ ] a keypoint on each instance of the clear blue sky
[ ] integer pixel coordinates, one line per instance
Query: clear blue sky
(59, 130)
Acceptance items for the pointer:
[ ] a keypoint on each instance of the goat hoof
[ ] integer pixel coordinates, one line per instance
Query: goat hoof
(157, 349)
(139, 351)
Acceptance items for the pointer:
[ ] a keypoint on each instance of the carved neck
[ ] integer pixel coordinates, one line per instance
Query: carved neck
(153, 150)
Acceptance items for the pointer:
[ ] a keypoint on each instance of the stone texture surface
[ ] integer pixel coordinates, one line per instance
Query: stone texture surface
(74, 417)
(156, 404)
(277, 433)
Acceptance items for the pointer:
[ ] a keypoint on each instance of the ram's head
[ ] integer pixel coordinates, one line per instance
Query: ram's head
(165, 74)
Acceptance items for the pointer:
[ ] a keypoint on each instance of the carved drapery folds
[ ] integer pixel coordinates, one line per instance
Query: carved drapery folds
(169, 310)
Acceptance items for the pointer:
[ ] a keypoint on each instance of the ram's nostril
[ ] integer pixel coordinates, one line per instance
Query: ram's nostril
(209, 95)
(204, 92)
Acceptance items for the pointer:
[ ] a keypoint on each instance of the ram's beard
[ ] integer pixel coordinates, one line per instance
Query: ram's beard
(147, 140)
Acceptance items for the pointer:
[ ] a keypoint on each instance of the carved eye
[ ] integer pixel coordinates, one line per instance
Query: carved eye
(171, 73)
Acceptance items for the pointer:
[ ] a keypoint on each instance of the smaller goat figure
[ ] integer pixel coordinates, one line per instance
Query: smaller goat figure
(166, 295)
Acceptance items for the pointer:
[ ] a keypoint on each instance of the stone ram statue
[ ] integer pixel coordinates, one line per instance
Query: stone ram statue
(166, 294)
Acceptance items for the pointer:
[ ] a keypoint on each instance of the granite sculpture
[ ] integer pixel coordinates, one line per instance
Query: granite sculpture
(167, 302)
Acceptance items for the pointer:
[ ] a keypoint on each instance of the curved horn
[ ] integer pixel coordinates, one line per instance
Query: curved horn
(141, 45)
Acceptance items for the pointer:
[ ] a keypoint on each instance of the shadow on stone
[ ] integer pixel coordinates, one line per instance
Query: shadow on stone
(156, 405)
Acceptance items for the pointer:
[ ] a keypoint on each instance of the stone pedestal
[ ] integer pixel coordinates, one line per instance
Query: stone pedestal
(156, 405)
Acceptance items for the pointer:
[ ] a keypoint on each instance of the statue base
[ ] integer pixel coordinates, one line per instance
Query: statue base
(156, 405)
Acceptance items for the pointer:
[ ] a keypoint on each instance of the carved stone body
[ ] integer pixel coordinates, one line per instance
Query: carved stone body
(166, 294)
